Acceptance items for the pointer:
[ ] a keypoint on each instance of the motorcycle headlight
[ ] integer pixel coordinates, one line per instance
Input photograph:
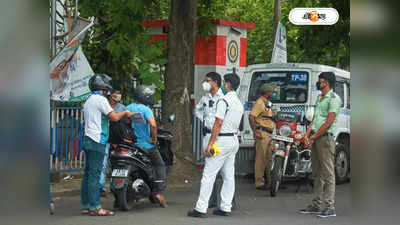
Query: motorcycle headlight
(285, 130)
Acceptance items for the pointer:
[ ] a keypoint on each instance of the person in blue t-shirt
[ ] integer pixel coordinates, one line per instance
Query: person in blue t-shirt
(114, 98)
(145, 128)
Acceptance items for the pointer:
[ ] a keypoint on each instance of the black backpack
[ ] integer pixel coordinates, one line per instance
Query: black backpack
(121, 130)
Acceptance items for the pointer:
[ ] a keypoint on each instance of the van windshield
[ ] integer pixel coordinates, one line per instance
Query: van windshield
(289, 87)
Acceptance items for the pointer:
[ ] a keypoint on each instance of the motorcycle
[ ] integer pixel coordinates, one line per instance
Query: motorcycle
(290, 157)
(132, 173)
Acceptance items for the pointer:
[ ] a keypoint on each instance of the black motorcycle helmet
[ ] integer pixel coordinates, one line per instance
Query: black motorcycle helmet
(144, 95)
(100, 82)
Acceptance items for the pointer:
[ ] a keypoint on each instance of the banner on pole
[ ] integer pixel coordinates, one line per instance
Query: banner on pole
(70, 71)
(279, 53)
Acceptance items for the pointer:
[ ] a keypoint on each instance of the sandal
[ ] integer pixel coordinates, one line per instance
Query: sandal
(102, 212)
(161, 200)
(85, 212)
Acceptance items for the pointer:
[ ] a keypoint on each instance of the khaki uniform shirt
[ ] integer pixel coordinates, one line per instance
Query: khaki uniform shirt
(263, 114)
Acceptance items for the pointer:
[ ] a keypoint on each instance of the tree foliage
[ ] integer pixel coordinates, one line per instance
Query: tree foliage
(119, 44)
(328, 45)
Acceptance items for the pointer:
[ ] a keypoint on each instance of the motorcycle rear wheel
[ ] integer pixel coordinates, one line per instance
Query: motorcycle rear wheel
(125, 201)
(276, 175)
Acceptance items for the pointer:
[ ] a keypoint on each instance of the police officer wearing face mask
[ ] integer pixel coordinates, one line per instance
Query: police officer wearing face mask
(229, 111)
(262, 123)
(205, 111)
(206, 108)
(320, 138)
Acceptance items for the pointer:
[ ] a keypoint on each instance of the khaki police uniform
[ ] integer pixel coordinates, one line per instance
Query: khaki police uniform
(323, 151)
(264, 124)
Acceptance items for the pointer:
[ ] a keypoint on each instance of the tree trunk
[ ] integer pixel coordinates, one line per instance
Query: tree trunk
(179, 84)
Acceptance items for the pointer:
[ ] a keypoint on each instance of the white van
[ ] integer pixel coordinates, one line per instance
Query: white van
(295, 91)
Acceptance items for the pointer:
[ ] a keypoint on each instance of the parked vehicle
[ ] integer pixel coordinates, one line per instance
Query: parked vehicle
(132, 173)
(290, 158)
(295, 91)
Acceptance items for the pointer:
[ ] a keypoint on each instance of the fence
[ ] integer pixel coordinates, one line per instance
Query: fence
(66, 132)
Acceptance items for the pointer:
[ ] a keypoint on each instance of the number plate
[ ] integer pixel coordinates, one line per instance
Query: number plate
(282, 138)
(119, 173)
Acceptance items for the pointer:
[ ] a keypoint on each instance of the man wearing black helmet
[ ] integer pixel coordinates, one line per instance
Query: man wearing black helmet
(97, 113)
(145, 128)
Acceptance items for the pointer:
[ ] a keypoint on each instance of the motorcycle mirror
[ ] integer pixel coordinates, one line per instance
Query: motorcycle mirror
(268, 104)
(171, 118)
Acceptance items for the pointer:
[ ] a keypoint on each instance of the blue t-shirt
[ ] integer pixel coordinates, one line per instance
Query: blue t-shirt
(119, 108)
(141, 126)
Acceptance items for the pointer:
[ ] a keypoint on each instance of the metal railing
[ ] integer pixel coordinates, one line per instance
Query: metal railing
(66, 133)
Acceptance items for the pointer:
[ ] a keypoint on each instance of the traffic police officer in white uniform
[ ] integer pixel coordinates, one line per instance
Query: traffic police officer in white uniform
(207, 106)
(223, 134)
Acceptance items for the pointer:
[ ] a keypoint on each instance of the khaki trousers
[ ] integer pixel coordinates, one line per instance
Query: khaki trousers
(263, 160)
(323, 170)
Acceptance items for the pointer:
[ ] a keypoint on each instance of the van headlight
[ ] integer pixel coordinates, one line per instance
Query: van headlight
(285, 130)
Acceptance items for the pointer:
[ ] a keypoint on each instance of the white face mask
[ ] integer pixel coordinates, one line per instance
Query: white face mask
(116, 97)
(206, 86)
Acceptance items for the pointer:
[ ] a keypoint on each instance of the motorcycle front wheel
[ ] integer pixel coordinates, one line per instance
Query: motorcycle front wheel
(276, 175)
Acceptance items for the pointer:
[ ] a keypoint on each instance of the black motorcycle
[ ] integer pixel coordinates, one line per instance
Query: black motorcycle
(132, 173)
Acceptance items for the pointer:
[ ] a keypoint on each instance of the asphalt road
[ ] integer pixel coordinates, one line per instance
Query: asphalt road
(254, 207)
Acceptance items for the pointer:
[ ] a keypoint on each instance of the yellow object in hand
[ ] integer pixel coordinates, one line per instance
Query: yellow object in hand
(214, 150)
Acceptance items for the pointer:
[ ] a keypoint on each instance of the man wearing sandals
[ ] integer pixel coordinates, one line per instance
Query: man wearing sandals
(97, 113)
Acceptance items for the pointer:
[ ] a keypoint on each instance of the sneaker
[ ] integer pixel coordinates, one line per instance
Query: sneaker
(195, 213)
(327, 213)
(219, 212)
(310, 209)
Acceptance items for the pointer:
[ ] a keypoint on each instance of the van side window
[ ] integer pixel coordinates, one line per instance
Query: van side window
(339, 90)
(348, 95)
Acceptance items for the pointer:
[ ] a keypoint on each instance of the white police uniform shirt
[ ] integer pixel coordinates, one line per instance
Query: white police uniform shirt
(230, 110)
(206, 108)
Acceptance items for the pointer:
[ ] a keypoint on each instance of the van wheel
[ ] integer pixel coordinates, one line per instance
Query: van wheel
(342, 164)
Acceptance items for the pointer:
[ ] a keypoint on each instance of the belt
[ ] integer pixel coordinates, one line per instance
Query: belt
(265, 129)
(269, 117)
(208, 131)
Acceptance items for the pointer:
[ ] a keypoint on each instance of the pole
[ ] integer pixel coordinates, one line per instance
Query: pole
(53, 29)
(277, 16)
(76, 10)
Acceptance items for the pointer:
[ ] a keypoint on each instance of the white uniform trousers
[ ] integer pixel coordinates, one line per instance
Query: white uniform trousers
(225, 161)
